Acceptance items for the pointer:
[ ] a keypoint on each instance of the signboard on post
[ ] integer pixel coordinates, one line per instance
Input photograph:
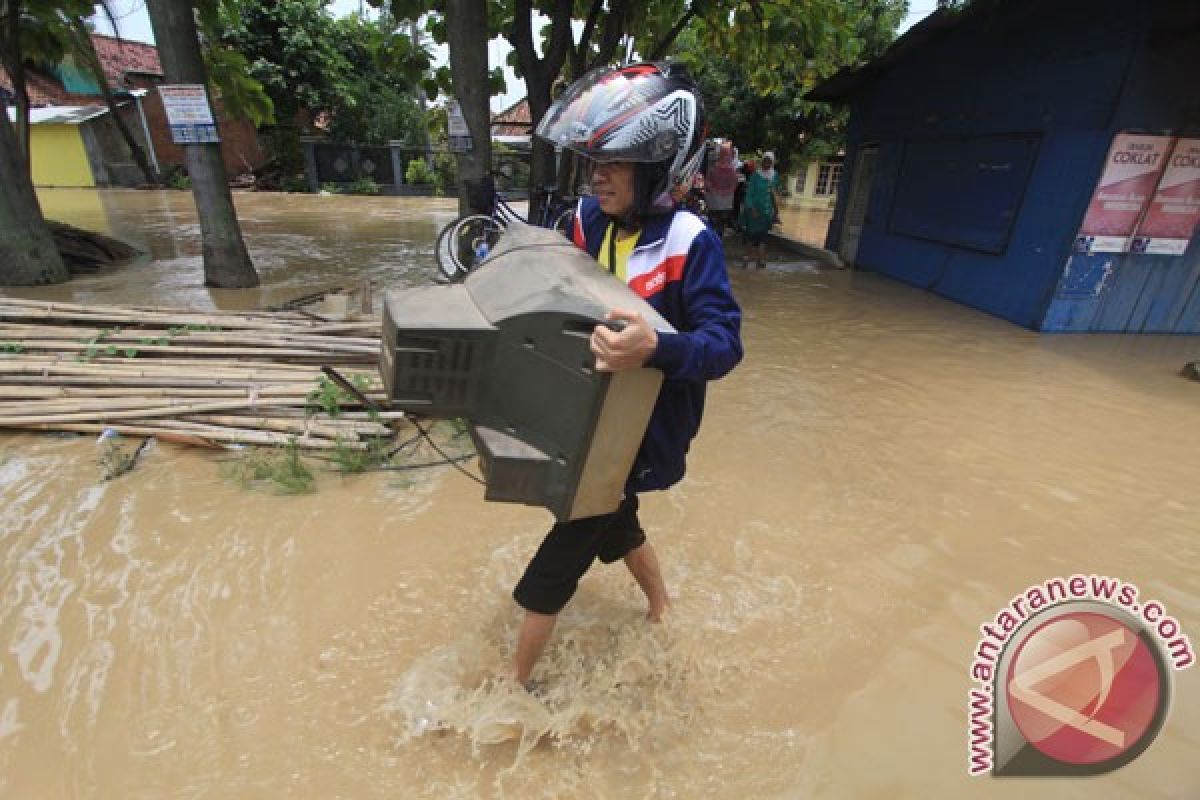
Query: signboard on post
(456, 128)
(188, 115)
(1171, 219)
(1131, 171)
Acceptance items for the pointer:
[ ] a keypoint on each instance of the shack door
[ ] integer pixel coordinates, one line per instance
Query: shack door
(856, 207)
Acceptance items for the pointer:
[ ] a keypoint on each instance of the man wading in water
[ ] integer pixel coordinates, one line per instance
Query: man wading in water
(642, 127)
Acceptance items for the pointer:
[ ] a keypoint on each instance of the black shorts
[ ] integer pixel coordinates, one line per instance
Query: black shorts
(567, 552)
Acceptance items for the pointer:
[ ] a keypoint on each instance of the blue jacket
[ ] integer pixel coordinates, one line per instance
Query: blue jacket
(678, 267)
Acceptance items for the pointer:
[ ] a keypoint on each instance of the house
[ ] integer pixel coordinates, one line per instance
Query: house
(513, 126)
(813, 185)
(72, 146)
(72, 138)
(1039, 161)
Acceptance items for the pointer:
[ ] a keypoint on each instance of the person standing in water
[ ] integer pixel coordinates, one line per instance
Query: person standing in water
(720, 183)
(757, 215)
(642, 130)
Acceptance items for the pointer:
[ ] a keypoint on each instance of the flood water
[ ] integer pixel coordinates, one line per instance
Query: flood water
(878, 478)
(806, 225)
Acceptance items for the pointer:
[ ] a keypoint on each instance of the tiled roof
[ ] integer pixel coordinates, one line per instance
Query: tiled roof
(513, 121)
(118, 57)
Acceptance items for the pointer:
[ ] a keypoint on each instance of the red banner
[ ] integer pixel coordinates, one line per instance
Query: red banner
(1175, 210)
(1131, 171)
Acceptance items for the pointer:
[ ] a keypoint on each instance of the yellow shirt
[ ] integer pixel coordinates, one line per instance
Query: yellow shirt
(625, 244)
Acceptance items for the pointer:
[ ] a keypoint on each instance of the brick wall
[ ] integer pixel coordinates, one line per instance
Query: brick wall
(240, 148)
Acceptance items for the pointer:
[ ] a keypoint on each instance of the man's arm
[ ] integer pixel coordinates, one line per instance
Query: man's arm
(709, 343)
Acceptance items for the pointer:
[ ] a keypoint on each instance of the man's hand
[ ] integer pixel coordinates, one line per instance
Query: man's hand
(628, 349)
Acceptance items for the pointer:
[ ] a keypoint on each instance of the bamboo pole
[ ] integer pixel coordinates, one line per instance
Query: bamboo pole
(141, 413)
(273, 352)
(191, 376)
(134, 335)
(171, 430)
(330, 428)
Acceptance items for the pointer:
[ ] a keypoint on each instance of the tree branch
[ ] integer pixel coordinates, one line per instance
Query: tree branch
(664, 45)
(614, 29)
(580, 53)
(521, 37)
(560, 38)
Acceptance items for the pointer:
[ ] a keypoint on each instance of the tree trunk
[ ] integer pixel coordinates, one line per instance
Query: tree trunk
(540, 74)
(14, 65)
(226, 261)
(28, 256)
(542, 165)
(466, 33)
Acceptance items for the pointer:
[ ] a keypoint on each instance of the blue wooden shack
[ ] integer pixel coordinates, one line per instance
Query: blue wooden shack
(976, 142)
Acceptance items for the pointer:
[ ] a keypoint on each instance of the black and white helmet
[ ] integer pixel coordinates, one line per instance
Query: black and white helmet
(650, 114)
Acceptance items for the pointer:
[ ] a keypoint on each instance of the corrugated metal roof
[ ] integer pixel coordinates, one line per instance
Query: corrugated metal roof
(60, 115)
(848, 80)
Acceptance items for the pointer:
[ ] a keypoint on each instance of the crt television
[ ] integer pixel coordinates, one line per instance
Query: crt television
(508, 350)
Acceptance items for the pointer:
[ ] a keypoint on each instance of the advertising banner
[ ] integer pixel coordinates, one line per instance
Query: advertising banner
(1131, 171)
(188, 115)
(1173, 213)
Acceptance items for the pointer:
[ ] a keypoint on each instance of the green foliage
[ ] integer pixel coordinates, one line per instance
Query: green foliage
(11, 347)
(445, 172)
(294, 183)
(353, 460)
(362, 186)
(289, 46)
(360, 73)
(279, 468)
(329, 397)
(242, 96)
(765, 53)
(754, 74)
(96, 347)
(178, 179)
(419, 172)
(376, 100)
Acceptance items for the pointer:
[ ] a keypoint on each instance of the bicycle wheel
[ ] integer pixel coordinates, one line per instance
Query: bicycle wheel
(463, 244)
(565, 222)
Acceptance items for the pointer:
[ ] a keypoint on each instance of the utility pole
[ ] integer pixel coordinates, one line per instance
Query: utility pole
(466, 33)
(226, 262)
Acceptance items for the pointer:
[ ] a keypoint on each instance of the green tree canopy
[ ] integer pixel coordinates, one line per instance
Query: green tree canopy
(376, 98)
(763, 53)
(363, 74)
(754, 75)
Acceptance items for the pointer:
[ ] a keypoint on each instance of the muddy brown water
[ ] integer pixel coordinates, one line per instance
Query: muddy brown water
(882, 473)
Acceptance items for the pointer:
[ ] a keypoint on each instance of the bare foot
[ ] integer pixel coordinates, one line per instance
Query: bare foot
(656, 615)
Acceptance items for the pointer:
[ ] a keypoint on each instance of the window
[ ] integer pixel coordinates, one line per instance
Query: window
(963, 191)
(828, 178)
(801, 179)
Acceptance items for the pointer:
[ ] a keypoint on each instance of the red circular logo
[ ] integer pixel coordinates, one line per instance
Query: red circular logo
(1083, 688)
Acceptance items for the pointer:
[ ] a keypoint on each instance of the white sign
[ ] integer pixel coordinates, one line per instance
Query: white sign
(456, 128)
(188, 114)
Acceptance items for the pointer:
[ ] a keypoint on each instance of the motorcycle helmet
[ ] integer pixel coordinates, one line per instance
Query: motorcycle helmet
(650, 114)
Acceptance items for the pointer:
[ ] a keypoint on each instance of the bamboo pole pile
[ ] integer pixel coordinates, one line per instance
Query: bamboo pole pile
(200, 377)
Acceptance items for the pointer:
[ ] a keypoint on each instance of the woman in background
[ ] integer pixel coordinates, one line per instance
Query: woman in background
(757, 217)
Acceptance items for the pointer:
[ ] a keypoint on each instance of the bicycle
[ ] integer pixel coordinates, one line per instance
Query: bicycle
(465, 243)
